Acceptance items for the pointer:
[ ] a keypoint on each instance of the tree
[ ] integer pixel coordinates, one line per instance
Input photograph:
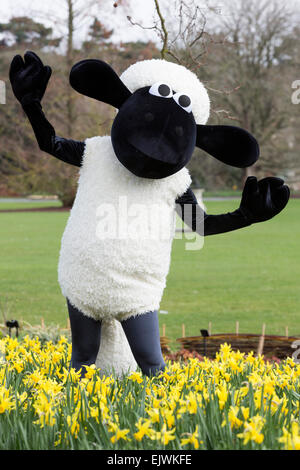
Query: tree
(255, 65)
(241, 55)
(181, 27)
(98, 36)
(24, 169)
(25, 31)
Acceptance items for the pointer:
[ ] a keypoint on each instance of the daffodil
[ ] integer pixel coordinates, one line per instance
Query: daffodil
(291, 440)
(118, 433)
(90, 371)
(234, 421)
(7, 402)
(222, 394)
(144, 429)
(35, 380)
(154, 415)
(136, 377)
(252, 430)
(45, 409)
(164, 435)
(73, 425)
(245, 412)
(192, 439)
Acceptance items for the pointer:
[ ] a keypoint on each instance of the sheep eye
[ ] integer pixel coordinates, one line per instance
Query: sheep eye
(184, 101)
(161, 89)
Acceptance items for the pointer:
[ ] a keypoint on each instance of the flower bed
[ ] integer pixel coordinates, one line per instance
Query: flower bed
(236, 401)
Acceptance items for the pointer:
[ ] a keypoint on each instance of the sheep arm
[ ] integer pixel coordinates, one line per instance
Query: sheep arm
(67, 150)
(196, 218)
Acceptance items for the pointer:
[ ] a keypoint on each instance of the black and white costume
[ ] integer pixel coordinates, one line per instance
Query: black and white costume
(113, 273)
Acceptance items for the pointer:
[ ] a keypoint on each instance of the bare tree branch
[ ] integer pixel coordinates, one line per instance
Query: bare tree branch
(165, 33)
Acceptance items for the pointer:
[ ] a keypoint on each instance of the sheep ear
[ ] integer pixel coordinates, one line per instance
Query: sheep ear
(231, 145)
(96, 79)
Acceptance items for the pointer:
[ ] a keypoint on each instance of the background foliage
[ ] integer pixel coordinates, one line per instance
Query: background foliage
(248, 60)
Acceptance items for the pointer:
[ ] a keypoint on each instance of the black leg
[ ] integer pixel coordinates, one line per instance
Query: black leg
(142, 333)
(86, 334)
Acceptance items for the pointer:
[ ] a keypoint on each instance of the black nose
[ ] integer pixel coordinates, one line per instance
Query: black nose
(149, 117)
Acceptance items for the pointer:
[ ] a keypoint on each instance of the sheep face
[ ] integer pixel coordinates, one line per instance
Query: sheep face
(156, 129)
(154, 132)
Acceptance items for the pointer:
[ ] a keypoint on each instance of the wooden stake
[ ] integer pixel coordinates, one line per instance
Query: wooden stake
(68, 324)
(260, 345)
(164, 330)
(287, 331)
(209, 328)
(42, 323)
(183, 330)
(261, 341)
(237, 328)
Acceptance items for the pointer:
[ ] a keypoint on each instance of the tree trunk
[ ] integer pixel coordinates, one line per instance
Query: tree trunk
(70, 103)
(249, 171)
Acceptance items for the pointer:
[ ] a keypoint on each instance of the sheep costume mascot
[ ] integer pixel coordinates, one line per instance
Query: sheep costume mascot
(113, 281)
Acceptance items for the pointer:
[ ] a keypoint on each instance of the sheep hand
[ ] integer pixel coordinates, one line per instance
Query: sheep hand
(29, 77)
(264, 199)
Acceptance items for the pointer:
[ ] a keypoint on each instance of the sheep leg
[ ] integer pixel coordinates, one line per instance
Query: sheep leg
(86, 334)
(142, 332)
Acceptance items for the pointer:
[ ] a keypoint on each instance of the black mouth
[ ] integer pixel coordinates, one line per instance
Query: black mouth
(143, 165)
(151, 158)
(158, 149)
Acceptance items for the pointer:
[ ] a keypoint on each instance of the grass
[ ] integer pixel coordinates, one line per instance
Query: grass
(223, 193)
(28, 205)
(251, 275)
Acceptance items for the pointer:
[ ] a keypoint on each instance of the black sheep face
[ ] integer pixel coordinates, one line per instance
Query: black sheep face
(154, 132)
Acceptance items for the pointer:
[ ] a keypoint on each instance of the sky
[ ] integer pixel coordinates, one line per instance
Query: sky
(141, 11)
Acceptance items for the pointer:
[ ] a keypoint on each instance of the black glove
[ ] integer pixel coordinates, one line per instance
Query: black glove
(29, 78)
(262, 200)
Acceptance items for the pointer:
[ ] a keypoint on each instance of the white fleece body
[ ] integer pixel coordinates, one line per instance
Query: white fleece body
(109, 268)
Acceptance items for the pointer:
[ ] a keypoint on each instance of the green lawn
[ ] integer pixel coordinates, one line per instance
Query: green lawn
(28, 205)
(251, 275)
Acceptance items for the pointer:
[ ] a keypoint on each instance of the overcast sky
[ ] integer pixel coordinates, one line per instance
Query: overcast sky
(116, 17)
(142, 11)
